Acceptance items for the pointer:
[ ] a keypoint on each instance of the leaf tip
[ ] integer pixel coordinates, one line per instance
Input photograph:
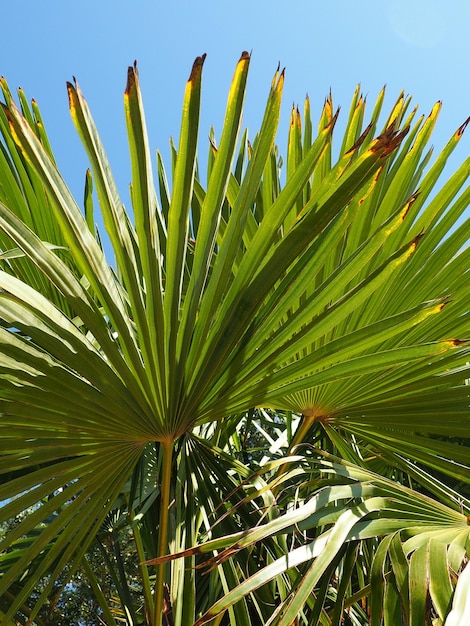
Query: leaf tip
(361, 140)
(197, 67)
(411, 200)
(459, 342)
(71, 95)
(389, 140)
(461, 129)
(131, 77)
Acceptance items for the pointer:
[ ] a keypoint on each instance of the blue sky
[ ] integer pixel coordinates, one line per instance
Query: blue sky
(416, 45)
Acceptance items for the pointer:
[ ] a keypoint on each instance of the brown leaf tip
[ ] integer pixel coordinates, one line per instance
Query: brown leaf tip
(361, 139)
(461, 129)
(331, 124)
(70, 92)
(459, 342)
(409, 203)
(245, 56)
(197, 67)
(131, 78)
(417, 239)
(390, 139)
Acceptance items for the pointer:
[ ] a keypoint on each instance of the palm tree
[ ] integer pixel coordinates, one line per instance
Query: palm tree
(326, 314)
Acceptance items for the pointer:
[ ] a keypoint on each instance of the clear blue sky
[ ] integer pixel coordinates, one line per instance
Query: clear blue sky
(421, 46)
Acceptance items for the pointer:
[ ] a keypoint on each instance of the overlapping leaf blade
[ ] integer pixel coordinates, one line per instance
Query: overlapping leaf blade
(338, 295)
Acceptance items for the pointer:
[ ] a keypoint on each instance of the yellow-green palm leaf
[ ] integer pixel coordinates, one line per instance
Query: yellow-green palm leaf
(340, 293)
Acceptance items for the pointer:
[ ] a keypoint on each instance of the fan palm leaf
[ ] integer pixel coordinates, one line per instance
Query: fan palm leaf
(422, 540)
(338, 295)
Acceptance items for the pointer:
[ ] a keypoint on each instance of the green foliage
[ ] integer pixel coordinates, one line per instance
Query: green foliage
(265, 393)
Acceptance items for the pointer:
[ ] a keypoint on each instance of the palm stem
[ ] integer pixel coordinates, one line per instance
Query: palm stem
(165, 482)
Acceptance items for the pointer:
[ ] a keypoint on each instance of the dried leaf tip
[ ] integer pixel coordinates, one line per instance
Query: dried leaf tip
(197, 67)
(409, 203)
(131, 78)
(331, 124)
(73, 86)
(245, 56)
(459, 342)
(389, 140)
(461, 129)
(361, 139)
(70, 94)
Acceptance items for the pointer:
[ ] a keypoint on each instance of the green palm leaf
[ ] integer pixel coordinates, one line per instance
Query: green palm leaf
(337, 295)
(414, 528)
